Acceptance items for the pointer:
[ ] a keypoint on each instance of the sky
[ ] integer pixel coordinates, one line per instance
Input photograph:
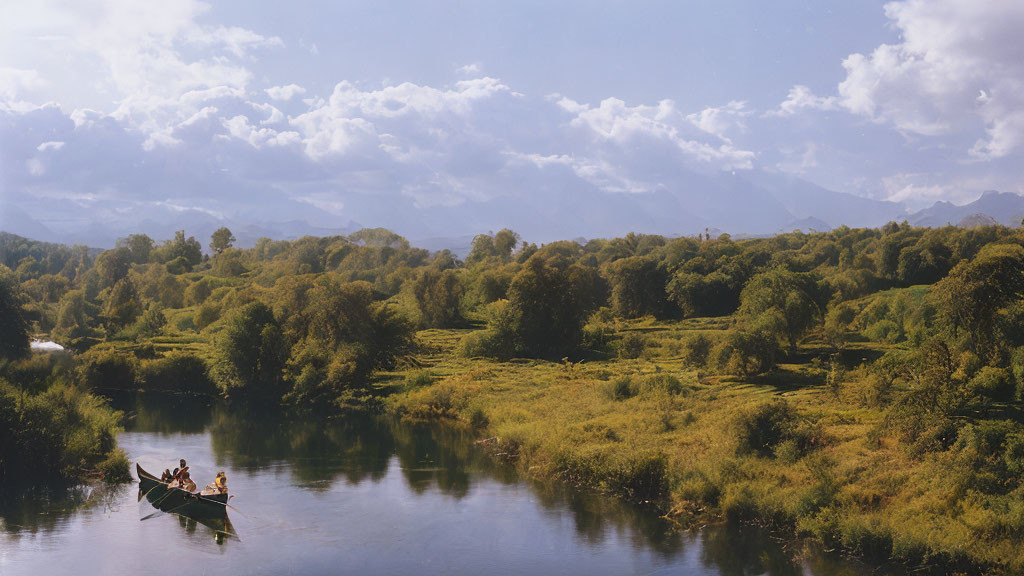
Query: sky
(334, 111)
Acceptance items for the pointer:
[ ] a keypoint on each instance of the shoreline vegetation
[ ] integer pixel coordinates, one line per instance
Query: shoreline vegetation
(862, 387)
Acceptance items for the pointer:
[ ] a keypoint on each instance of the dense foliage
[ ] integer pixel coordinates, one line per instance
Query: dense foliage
(920, 326)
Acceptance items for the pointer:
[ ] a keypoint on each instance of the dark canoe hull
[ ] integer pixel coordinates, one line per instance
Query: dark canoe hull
(179, 501)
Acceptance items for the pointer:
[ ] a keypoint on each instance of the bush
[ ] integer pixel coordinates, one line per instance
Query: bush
(993, 384)
(206, 314)
(478, 418)
(762, 429)
(62, 431)
(419, 379)
(744, 353)
(642, 479)
(666, 382)
(108, 370)
(178, 372)
(114, 469)
(632, 345)
(620, 388)
(696, 350)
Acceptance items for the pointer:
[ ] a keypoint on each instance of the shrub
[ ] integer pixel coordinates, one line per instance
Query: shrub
(114, 468)
(206, 314)
(642, 478)
(762, 429)
(620, 388)
(419, 379)
(179, 372)
(993, 384)
(666, 382)
(632, 345)
(478, 418)
(744, 353)
(108, 370)
(696, 349)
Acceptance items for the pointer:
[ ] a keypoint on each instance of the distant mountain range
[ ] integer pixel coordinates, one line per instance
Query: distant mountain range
(552, 208)
(1004, 208)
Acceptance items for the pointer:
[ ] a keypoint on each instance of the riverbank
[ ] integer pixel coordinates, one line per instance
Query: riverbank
(782, 450)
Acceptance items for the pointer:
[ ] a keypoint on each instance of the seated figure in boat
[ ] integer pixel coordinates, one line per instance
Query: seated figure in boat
(182, 479)
(219, 486)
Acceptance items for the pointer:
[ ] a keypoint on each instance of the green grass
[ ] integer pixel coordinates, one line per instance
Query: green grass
(676, 446)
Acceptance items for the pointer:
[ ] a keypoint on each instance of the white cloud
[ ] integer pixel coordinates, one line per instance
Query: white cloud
(15, 82)
(237, 41)
(284, 92)
(720, 120)
(801, 98)
(614, 121)
(951, 51)
(469, 69)
(51, 145)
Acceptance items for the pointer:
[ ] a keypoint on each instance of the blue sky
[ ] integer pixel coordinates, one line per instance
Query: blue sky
(314, 110)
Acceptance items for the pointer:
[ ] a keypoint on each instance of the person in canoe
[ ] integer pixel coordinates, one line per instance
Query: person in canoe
(182, 479)
(219, 486)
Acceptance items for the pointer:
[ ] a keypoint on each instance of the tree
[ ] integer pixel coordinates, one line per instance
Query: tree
(703, 294)
(438, 294)
(153, 320)
(483, 248)
(14, 328)
(504, 243)
(187, 249)
(221, 240)
(113, 265)
(544, 315)
(975, 291)
(783, 303)
(123, 304)
(140, 247)
(74, 314)
(638, 287)
(252, 356)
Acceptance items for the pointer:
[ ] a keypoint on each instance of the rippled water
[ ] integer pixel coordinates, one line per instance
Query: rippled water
(357, 497)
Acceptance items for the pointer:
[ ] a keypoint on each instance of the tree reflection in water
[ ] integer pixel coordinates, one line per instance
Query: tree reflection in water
(432, 458)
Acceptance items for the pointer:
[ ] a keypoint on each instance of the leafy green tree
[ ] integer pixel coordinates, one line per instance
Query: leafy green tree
(438, 294)
(784, 303)
(545, 312)
(140, 247)
(188, 249)
(638, 287)
(123, 304)
(504, 243)
(696, 294)
(74, 315)
(482, 249)
(113, 265)
(152, 320)
(221, 240)
(252, 356)
(14, 328)
(975, 291)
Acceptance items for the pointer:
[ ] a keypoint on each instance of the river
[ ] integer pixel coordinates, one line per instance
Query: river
(368, 496)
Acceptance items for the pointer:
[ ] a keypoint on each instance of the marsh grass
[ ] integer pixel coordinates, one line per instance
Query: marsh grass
(784, 450)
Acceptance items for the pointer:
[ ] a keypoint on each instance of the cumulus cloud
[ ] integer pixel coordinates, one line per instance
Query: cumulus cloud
(614, 121)
(51, 145)
(286, 92)
(957, 70)
(801, 98)
(722, 119)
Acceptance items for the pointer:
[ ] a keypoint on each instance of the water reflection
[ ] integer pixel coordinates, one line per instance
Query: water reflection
(388, 497)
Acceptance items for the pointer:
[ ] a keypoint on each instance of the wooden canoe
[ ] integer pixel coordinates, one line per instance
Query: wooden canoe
(163, 497)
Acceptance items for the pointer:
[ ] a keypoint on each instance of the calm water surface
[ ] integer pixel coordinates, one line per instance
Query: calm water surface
(368, 497)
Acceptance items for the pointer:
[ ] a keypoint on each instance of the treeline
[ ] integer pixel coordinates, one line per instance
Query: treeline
(306, 322)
